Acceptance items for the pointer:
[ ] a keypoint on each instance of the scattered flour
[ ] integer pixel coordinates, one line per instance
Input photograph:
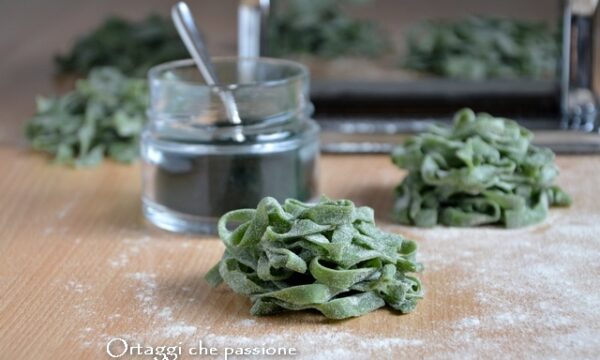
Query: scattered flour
(538, 284)
(166, 313)
(177, 329)
(468, 322)
(248, 322)
(121, 260)
(132, 248)
(527, 291)
(76, 286)
(145, 294)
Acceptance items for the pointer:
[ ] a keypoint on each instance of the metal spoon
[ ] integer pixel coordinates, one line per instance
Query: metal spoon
(194, 42)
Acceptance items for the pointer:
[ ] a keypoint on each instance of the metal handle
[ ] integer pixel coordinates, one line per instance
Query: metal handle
(194, 42)
(252, 27)
(578, 99)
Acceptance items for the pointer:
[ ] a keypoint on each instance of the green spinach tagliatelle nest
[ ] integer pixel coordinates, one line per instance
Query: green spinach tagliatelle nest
(328, 256)
(481, 170)
(478, 48)
(103, 116)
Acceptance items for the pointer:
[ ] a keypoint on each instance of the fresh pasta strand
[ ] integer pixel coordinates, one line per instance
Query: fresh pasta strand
(328, 256)
(482, 170)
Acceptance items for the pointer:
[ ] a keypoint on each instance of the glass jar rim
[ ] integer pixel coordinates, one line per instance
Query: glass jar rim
(301, 72)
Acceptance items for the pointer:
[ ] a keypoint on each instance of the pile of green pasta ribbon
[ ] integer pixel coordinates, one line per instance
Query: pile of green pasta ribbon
(103, 115)
(481, 170)
(480, 47)
(328, 256)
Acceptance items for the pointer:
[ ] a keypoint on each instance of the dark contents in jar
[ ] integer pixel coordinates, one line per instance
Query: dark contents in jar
(208, 185)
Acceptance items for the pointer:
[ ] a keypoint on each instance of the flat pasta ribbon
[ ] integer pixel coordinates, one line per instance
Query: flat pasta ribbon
(328, 256)
(482, 170)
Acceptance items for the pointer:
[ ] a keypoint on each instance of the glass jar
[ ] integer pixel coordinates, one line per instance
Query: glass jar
(197, 165)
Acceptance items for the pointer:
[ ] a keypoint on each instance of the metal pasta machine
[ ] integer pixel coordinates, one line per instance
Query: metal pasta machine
(370, 104)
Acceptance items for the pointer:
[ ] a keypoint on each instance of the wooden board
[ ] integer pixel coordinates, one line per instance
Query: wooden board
(79, 266)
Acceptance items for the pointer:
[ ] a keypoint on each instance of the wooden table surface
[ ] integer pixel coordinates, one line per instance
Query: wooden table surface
(79, 266)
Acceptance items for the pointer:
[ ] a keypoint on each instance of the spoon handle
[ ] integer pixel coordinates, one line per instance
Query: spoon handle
(194, 42)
